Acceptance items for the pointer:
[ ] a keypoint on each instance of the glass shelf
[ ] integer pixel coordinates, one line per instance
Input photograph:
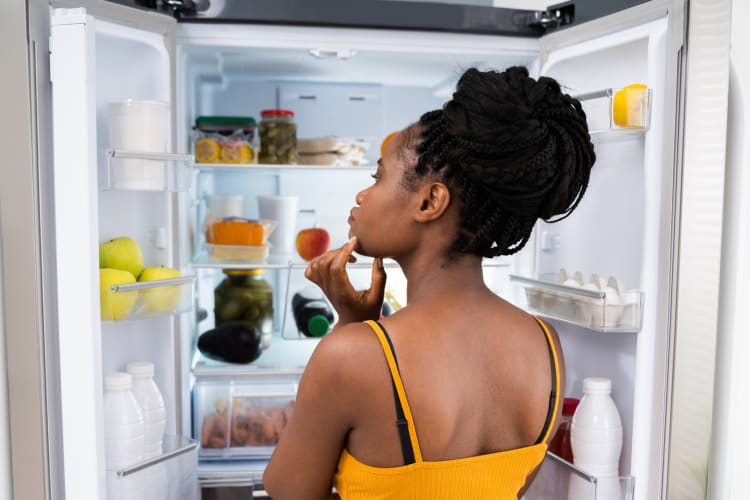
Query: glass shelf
(558, 478)
(582, 307)
(144, 171)
(168, 476)
(617, 113)
(273, 261)
(269, 169)
(148, 299)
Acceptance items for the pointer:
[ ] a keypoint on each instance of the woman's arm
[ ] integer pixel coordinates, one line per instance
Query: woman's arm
(305, 459)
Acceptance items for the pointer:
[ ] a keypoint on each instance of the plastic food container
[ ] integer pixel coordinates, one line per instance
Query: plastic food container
(138, 126)
(278, 137)
(241, 412)
(224, 139)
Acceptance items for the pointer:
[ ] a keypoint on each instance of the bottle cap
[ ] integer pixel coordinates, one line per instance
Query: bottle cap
(570, 405)
(597, 385)
(141, 369)
(318, 325)
(118, 380)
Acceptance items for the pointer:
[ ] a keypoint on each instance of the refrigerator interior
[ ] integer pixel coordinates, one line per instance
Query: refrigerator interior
(387, 81)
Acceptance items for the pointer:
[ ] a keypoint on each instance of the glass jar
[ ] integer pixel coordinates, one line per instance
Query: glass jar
(278, 137)
(244, 296)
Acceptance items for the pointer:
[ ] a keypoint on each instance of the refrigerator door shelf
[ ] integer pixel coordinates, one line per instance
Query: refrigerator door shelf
(147, 299)
(168, 476)
(618, 112)
(147, 171)
(558, 478)
(588, 308)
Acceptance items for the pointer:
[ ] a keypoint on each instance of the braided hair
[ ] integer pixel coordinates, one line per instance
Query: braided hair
(515, 149)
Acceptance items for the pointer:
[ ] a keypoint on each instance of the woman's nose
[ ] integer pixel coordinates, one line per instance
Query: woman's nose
(360, 196)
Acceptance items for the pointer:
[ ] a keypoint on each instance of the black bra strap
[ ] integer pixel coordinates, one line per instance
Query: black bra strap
(552, 394)
(401, 423)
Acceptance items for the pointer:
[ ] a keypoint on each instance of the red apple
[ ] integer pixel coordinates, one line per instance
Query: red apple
(312, 242)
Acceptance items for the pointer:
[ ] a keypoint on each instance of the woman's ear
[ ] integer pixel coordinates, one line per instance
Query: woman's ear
(436, 197)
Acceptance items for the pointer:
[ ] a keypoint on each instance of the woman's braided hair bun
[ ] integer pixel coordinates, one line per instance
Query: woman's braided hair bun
(516, 149)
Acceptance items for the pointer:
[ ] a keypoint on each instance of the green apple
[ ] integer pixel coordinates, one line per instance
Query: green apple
(121, 253)
(115, 305)
(162, 299)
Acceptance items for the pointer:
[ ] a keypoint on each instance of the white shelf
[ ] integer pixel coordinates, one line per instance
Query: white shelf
(558, 478)
(585, 308)
(270, 169)
(147, 171)
(170, 475)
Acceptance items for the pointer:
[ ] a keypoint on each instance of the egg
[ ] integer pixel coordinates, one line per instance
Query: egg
(613, 296)
(571, 282)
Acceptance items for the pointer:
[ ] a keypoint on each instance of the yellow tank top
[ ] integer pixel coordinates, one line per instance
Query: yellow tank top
(495, 475)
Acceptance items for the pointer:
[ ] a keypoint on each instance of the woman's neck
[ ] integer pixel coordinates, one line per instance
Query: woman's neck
(427, 278)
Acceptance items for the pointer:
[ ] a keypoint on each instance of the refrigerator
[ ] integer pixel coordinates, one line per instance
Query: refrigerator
(350, 78)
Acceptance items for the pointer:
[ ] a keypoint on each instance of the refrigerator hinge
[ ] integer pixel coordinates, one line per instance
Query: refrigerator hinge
(557, 15)
(176, 7)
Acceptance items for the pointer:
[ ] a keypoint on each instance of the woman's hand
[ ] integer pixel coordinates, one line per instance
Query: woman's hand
(329, 272)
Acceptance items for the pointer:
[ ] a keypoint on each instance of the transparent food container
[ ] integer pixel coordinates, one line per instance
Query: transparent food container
(146, 299)
(241, 412)
(238, 252)
(587, 308)
(171, 475)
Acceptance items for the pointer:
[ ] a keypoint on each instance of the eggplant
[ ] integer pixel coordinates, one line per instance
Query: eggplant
(231, 343)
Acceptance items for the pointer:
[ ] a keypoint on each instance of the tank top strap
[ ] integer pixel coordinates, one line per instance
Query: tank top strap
(554, 397)
(405, 421)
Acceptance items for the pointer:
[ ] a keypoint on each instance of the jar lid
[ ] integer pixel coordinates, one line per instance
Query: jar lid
(244, 272)
(141, 368)
(570, 405)
(118, 380)
(232, 120)
(597, 385)
(276, 112)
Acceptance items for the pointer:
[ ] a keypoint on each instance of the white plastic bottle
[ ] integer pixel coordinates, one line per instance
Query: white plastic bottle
(151, 403)
(123, 422)
(596, 438)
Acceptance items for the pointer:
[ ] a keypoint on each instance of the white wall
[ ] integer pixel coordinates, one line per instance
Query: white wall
(731, 434)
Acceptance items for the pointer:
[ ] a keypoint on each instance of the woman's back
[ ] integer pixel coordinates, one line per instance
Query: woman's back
(465, 362)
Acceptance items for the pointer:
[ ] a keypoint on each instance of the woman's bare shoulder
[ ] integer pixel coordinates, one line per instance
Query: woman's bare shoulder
(349, 354)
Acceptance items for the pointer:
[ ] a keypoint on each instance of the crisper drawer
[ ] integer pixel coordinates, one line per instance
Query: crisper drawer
(240, 412)
(172, 475)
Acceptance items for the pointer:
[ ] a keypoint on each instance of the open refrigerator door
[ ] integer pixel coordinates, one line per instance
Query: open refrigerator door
(116, 182)
(603, 276)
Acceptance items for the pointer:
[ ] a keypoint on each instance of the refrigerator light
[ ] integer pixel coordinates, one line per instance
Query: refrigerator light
(341, 54)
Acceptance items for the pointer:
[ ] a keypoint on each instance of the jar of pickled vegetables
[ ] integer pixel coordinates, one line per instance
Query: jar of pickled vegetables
(278, 137)
(244, 296)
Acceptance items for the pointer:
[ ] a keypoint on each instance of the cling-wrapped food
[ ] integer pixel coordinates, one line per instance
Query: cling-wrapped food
(253, 422)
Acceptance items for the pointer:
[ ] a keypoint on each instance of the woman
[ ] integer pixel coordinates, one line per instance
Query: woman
(457, 394)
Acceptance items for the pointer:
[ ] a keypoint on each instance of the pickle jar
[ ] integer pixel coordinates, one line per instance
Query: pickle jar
(244, 296)
(278, 137)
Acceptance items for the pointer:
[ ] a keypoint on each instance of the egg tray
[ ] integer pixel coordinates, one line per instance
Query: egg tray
(586, 308)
